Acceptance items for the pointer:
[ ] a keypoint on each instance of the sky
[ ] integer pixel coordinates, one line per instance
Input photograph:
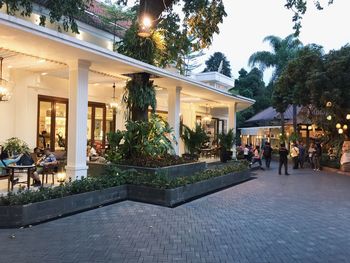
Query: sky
(249, 21)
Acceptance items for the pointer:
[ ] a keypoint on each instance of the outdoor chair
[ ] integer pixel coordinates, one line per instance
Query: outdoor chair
(50, 169)
(6, 176)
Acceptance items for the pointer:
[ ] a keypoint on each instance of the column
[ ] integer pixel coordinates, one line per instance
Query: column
(231, 124)
(77, 119)
(174, 113)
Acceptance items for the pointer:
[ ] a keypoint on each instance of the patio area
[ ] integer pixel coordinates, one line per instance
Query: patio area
(297, 218)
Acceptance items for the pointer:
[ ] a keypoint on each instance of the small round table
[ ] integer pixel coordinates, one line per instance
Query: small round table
(14, 167)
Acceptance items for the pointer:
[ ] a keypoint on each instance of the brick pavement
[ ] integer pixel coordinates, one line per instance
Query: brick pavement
(301, 218)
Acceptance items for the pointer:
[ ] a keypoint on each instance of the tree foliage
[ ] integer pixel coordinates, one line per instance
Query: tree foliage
(65, 12)
(251, 85)
(299, 7)
(283, 50)
(214, 62)
(324, 78)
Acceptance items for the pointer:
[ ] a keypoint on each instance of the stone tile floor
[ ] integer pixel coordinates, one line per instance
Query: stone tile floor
(301, 218)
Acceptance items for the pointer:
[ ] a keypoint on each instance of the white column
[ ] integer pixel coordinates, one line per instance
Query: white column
(174, 113)
(77, 119)
(232, 123)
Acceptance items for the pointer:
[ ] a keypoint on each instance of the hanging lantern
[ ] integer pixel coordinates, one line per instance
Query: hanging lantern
(329, 104)
(114, 105)
(207, 117)
(5, 86)
(338, 126)
(345, 127)
(340, 131)
(329, 117)
(348, 116)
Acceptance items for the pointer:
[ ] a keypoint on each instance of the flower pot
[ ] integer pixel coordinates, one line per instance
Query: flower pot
(223, 156)
(229, 155)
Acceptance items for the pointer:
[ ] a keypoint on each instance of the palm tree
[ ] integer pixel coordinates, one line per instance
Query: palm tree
(283, 50)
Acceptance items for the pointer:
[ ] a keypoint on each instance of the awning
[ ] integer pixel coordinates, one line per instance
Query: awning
(255, 131)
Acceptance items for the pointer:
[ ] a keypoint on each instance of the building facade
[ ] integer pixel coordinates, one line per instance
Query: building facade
(62, 84)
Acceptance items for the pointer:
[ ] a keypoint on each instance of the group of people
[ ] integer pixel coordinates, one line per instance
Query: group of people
(254, 155)
(42, 159)
(298, 153)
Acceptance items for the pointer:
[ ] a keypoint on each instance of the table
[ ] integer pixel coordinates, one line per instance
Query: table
(14, 167)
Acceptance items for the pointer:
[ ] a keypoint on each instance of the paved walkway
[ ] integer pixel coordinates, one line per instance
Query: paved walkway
(301, 218)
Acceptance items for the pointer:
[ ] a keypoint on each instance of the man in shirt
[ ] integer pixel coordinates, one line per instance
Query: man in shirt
(283, 152)
(47, 160)
(267, 153)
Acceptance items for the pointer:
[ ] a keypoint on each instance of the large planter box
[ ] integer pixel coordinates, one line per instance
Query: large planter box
(174, 171)
(21, 215)
(176, 196)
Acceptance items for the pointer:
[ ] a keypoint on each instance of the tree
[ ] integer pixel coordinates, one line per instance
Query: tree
(326, 80)
(171, 35)
(299, 7)
(65, 12)
(216, 62)
(251, 85)
(283, 50)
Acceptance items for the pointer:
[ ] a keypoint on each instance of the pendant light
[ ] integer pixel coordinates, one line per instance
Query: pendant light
(145, 21)
(114, 105)
(5, 87)
(207, 117)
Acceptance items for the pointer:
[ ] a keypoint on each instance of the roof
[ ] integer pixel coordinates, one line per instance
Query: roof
(92, 18)
(270, 114)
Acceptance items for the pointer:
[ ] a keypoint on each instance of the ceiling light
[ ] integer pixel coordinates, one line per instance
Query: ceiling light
(44, 74)
(41, 60)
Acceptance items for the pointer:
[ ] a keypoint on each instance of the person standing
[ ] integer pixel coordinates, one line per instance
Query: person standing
(295, 155)
(301, 155)
(311, 153)
(283, 153)
(318, 155)
(246, 152)
(267, 153)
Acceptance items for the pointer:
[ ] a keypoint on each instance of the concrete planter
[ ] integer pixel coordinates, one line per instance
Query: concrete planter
(174, 171)
(22, 215)
(176, 196)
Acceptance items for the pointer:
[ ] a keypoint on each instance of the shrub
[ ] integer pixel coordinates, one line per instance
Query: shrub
(114, 177)
(193, 139)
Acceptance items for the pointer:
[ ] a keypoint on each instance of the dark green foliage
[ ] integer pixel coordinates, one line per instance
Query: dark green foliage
(213, 64)
(324, 78)
(283, 50)
(154, 161)
(141, 140)
(65, 12)
(163, 182)
(114, 178)
(251, 85)
(299, 7)
(227, 140)
(139, 95)
(178, 35)
(193, 139)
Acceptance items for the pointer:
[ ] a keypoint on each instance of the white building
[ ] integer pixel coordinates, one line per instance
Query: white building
(62, 83)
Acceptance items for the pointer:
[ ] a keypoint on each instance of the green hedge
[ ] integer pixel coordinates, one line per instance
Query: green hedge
(114, 178)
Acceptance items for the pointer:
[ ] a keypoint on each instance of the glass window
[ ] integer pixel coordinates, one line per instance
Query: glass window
(44, 129)
(60, 126)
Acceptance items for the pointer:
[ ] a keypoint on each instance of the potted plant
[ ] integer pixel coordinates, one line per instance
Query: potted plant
(15, 146)
(193, 140)
(226, 142)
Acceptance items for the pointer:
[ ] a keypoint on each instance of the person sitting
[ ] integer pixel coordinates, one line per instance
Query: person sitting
(256, 157)
(43, 163)
(5, 160)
